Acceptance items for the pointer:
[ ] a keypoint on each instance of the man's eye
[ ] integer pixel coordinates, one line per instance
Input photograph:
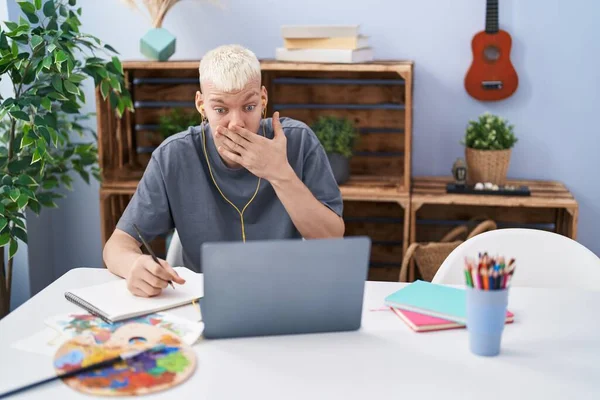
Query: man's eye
(220, 110)
(250, 108)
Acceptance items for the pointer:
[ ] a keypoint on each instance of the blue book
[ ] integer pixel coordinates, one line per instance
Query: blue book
(431, 299)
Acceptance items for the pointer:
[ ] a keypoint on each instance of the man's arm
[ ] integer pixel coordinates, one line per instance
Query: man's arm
(149, 211)
(120, 253)
(311, 217)
(267, 158)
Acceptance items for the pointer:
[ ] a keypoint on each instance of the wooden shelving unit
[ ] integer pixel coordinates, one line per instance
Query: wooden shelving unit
(377, 96)
(434, 212)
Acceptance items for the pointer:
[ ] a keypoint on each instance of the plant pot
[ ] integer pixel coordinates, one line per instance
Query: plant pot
(340, 166)
(487, 165)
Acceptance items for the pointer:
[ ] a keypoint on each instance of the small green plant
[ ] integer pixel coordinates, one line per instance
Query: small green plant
(336, 134)
(489, 132)
(177, 121)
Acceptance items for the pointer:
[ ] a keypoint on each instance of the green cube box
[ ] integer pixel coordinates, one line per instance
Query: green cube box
(158, 44)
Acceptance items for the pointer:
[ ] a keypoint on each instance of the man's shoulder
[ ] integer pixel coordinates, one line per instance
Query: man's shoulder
(175, 142)
(299, 132)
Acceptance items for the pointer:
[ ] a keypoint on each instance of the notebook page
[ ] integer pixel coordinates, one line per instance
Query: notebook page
(117, 302)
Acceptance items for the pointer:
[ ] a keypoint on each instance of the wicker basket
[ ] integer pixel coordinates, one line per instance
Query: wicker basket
(426, 258)
(487, 165)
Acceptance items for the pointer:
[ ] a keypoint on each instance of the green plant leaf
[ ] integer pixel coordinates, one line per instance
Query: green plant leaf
(60, 57)
(26, 180)
(34, 206)
(109, 47)
(50, 183)
(38, 4)
(46, 200)
(117, 63)
(72, 2)
(57, 83)
(19, 222)
(36, 41)
(104, 89)
(32, 17)
(36, 156)
(22, 200)
(71, 88)
(4, 239)
(3, 223)
(20, 115)
(12, 248)
(52, 25)
(47, 63)
(27, 7)
(49, 8)
(14, 194)
(19, 233)
(47, 103)
(26, 141)
(84, 175)
(17, 166)
(12, 26)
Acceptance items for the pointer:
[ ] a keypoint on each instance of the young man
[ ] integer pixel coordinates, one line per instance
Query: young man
(237, 176)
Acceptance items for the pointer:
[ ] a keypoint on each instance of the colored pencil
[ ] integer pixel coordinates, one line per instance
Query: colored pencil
(489, 272)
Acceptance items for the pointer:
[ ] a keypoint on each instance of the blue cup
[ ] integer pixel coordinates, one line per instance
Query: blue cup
(486, 316)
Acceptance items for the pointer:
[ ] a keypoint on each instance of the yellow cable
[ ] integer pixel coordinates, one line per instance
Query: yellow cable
(219, 189)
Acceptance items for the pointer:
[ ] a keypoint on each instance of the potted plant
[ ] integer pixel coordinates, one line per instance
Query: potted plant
(177, 120)
(337, 136)
(47, 59)
(488, 145)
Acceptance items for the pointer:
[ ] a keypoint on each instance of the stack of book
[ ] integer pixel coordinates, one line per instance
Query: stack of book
(324, 43)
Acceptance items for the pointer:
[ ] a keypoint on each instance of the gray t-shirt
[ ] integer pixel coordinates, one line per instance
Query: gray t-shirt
(176, 191)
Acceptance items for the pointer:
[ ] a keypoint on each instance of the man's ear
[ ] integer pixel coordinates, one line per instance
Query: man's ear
(264, 97)
(199, 102)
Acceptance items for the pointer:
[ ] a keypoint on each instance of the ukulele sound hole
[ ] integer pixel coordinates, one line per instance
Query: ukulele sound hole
(491, 53)
(137, 339)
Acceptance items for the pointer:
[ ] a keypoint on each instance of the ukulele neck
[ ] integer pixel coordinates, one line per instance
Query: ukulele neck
(491, 16)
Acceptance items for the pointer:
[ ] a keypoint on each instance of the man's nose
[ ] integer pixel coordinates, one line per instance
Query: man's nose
(237, 119)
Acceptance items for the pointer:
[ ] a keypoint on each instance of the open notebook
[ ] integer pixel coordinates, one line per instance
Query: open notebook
(113, 302)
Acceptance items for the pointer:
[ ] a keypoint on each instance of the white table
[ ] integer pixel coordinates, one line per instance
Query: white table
(551, 351)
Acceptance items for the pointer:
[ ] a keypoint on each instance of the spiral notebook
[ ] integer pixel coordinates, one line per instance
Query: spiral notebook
(113, 302)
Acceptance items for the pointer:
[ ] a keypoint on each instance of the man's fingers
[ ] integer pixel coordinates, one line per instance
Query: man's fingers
(158, 271)
(150, 291)
(233, 146)
(277, 129)
(230, 155)
(154, 280)
(175, 276)
(246, 134)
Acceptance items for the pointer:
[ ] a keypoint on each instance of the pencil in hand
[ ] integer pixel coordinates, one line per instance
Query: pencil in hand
(147, 247)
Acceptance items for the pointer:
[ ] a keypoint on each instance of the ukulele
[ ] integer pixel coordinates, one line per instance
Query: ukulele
(491, 75)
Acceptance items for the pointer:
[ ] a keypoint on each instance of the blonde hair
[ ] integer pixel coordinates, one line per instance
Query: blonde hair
(229, 68)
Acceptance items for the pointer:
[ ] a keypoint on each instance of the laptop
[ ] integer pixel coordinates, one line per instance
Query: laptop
(281, 287)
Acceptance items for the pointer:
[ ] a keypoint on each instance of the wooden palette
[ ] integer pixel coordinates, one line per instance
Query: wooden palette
(148, 373)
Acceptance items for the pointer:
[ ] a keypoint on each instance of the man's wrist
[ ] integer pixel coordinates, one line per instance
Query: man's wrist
(286, 176)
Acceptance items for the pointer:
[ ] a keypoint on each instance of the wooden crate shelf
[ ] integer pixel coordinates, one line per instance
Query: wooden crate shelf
(377, 96)
(434, 212)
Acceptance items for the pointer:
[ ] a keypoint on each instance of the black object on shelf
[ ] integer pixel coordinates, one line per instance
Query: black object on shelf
(503, 190)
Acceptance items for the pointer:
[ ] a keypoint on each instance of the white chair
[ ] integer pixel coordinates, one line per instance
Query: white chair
(543, 259)
(175, 251)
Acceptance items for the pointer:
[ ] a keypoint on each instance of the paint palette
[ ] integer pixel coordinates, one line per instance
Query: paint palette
(148, 373)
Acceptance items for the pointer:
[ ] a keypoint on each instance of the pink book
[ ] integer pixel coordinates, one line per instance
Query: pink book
(425, 323)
